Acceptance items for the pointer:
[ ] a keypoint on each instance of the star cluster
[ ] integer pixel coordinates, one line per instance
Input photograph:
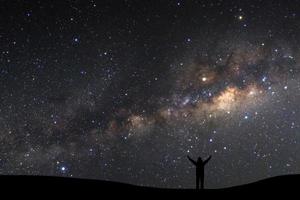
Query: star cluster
(124, 90)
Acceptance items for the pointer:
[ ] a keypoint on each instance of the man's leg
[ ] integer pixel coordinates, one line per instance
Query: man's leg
(197, 180)
(202, 180)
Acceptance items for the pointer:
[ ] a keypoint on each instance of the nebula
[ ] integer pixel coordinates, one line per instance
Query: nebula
(124, 91)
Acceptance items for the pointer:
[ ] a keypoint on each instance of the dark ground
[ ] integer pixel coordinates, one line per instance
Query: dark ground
(53, 187)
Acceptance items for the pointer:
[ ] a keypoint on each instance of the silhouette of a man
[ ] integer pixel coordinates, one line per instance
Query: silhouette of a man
(199, 170)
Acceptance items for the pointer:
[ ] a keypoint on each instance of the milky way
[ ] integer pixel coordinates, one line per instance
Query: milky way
(125, 91)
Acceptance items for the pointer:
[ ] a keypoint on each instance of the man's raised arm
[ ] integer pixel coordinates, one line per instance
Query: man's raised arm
(207, 160)
(192, 161)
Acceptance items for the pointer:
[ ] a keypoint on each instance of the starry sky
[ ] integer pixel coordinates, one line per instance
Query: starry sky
(125, 90)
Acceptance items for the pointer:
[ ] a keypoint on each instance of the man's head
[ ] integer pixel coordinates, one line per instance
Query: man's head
(199, 159)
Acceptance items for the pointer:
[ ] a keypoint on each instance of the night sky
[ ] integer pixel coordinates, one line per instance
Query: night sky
(125, 90)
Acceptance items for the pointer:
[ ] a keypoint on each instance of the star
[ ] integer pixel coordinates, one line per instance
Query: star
(121, 91)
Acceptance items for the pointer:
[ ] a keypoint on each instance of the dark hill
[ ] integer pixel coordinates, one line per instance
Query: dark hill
(53, 186)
